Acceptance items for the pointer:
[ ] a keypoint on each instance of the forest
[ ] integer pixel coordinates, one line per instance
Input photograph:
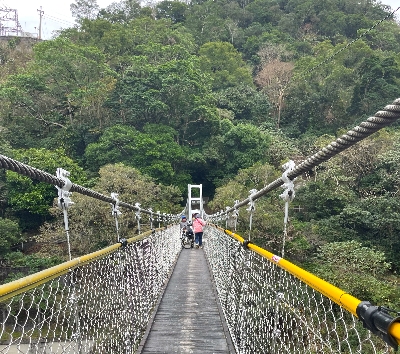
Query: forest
(142, 100)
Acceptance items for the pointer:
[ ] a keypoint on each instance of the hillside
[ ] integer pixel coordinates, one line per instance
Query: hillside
(213, 92)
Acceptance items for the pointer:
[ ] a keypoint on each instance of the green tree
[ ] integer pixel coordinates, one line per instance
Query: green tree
(159, 41)
(238, 147)
(267, 221)
(84, 9)
(173, 10)
(9, 235)
(154, 152)
(376, 221)
(281, 147)
(35, 262)
(121, 12)
(92, 226)
(175, 94)
(377, 85)
(308, 19)
(320, 95)
(246, 103)
(14, 56)
(385, 37)
(62, 94)
(206, 23)
(383, 178)
(357, 269)
(265, 11)
(29, 199)
(225, 65)
(323, 198)
(77, 76)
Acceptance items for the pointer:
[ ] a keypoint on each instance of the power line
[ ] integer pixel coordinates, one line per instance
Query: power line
(59, 20)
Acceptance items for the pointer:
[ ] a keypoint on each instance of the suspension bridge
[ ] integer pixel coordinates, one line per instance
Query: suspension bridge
(148, 295)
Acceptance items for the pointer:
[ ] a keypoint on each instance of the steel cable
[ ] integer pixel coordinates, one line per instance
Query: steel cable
(383, 118)
(42, 176)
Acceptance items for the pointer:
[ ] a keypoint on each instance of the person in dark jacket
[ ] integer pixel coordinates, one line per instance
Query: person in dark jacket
(183, 224)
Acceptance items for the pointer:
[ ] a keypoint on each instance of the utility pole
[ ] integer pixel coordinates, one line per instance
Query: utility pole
(40, 22)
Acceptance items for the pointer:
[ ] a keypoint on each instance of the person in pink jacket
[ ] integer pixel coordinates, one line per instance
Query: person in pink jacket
(197, 225)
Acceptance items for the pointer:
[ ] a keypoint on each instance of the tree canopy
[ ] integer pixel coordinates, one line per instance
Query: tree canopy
(142, 100)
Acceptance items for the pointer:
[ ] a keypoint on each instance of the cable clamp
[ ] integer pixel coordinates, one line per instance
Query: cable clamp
(64, 200)
(246, 243)
(123, 242)
(236, 210)
(251, 203)
(378, 320)
(137, 213)
(115, 205)
(151, 218)
(288, 195)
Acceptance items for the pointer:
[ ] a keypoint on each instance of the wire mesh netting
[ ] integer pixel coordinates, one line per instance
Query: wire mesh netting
(102, 306)
(269, 311)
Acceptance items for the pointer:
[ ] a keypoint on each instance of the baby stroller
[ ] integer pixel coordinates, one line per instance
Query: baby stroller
(187, 237)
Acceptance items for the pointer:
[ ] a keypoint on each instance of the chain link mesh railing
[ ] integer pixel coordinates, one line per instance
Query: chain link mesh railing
(269, 311)
(99, 303)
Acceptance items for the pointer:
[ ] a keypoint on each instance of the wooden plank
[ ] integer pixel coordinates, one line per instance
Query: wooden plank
(188, 317)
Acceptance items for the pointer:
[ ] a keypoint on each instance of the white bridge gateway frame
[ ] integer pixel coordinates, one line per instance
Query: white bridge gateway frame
(195, 200)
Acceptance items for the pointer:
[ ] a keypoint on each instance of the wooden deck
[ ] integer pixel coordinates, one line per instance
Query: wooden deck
(188, 317)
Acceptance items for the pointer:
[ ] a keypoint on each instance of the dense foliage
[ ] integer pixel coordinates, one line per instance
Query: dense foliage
(141, 101)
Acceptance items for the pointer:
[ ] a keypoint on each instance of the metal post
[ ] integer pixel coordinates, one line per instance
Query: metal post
(40, 22)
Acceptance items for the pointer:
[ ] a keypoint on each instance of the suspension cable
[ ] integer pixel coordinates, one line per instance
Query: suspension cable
(381, 119)
(42, 176)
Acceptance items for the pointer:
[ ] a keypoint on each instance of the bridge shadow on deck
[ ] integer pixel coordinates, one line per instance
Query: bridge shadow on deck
(188, 318)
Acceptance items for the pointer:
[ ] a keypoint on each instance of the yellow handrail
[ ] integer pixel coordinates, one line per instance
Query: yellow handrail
(34, 280)
(345, 300)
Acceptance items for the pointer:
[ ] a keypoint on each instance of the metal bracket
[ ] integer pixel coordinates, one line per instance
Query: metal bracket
(378, 320)
(64, 200)
(245, 244)
(138, 210)
(123, 242)
(151, 218)
(138, 217)
(115, 205)
(289, 194)
(251, 203)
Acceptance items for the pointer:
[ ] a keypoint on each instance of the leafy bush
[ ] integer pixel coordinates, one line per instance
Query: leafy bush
(9, 235)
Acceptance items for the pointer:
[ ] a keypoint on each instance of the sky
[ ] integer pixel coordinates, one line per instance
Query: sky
(57, 14)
